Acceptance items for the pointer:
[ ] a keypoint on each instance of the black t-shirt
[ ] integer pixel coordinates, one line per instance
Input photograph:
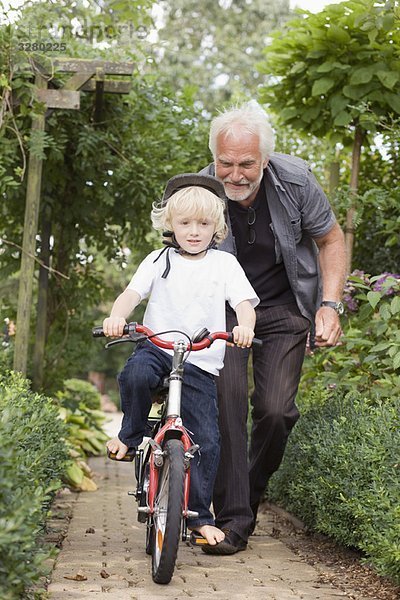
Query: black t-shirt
(255, 244)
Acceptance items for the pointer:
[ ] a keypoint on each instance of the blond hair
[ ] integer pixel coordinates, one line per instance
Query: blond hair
(192, 201)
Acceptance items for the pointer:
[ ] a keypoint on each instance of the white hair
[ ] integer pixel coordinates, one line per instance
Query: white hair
(249, 118)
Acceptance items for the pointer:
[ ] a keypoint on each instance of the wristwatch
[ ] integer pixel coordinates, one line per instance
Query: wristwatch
(338, 306)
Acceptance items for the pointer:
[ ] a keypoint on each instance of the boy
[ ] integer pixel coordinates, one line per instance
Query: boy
(187, 285)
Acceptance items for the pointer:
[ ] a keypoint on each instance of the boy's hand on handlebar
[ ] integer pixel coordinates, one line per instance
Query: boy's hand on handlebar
(114, 326)
(243, 336)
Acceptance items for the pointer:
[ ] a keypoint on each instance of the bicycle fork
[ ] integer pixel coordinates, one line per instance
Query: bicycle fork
(173, 428)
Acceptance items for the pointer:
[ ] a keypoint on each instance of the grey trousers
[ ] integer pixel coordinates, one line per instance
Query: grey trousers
(241, 480)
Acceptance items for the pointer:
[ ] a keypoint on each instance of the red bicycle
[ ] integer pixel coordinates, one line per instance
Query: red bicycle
(162, 468)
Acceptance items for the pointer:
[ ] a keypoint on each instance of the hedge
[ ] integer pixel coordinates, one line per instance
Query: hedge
(341, 474)
(33, 457)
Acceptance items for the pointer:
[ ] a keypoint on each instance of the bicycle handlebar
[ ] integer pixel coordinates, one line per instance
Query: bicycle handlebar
(132, 328)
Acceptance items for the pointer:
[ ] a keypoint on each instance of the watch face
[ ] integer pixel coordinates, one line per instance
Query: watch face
(339, 308)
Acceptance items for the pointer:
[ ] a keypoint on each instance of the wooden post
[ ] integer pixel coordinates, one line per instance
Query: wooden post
(29, 246)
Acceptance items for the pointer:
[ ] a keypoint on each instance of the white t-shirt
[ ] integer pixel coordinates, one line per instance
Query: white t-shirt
(191, 297)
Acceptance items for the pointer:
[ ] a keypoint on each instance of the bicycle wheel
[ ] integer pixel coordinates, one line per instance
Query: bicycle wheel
(167, 516)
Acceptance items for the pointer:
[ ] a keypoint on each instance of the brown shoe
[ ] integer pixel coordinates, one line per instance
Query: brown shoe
(231, 544)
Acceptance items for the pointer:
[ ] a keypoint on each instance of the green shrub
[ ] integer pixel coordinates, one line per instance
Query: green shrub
(369, 358)
(341, 472)
(6, 357)
(76, 392)
(79, 408)
(33, 457)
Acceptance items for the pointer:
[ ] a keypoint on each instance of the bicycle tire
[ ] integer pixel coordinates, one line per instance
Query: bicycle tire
(167, 517)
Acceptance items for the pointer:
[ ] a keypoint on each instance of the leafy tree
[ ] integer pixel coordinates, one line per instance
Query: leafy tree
(336, 74)
(104, 203)
(377, 216)
(212, 47)
(99, 180)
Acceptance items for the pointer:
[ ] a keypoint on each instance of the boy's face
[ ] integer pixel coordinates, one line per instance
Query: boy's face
(193, 233)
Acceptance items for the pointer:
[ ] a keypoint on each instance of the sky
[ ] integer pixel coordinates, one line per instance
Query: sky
(312, 5)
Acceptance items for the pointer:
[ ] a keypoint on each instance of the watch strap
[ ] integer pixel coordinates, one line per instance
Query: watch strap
(337, 306)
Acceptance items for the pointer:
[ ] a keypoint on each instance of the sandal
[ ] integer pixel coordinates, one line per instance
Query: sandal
(129, 456)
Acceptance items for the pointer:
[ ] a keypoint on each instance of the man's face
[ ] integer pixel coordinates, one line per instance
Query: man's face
(239, 165)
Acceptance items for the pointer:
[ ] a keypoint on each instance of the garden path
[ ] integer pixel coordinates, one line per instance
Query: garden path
(103, 555)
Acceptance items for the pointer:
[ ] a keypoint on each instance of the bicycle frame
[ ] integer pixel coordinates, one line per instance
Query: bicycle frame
(173, 428)
(163, 469)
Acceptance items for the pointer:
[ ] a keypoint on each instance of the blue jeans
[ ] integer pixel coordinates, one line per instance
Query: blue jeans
(143, 373)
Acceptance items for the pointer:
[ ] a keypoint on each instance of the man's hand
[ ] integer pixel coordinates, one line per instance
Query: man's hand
(114, 326)
(327, 327)
(243, 336)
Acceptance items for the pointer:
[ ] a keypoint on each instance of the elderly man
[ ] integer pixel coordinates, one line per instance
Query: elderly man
(286, 238)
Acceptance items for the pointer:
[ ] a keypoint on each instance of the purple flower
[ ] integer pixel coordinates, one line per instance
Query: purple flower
(350, 303)
(378, 286)
(361, 275)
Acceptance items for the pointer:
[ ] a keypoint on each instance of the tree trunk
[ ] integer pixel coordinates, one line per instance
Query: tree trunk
(334, 172)
(29, 247)
(41, 322)
(334, 168)
(355, 169)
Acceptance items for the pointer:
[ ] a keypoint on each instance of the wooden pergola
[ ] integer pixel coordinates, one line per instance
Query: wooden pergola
(87, 76)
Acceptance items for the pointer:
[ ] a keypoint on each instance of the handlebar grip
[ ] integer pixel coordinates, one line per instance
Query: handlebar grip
(256, 341)
(98, 331)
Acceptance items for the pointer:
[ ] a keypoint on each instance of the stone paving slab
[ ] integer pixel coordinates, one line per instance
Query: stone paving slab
(105, 546)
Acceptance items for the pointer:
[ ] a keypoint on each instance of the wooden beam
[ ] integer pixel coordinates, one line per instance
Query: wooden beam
(77, 65)
(59, 98)
(77, 81)
(111, 86)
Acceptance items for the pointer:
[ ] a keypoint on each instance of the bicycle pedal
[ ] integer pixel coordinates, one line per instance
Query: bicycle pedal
(129, 456)
(197, 540)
